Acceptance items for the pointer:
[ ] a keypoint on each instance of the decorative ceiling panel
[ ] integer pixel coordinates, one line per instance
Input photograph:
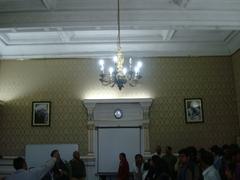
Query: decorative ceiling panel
(88, 28)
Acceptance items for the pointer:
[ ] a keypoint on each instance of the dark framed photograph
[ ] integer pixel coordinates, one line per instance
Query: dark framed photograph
(193, 110)
(41, 113)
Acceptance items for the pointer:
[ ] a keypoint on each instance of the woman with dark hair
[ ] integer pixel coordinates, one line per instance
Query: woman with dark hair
(123, 170)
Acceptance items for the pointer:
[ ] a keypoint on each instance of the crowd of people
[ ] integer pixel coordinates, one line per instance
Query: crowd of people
(217, 163)
(54, 169)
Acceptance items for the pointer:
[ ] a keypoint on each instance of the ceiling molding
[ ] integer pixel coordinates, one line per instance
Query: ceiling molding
(108, 50)
(49, 4)
(4, 38)
(231, 36)
(71, 28)
(233, 45)
(63, 36)
(181, 3)
(170, 19)
(169, 35)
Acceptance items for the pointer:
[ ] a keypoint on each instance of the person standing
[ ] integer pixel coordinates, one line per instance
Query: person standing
(60, 170)
(78, 169)
(23, 173)
(206, 163)
(171, 160)
(138, 167)
(185, 170)
(123, 170)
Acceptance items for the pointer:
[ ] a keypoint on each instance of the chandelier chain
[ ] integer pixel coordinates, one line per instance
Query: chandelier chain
(118, 20)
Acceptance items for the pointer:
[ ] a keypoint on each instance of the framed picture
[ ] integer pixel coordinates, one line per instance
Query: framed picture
(41, 113)
(193, 110)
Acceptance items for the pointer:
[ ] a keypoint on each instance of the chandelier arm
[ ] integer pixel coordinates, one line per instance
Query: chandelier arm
(105, 83)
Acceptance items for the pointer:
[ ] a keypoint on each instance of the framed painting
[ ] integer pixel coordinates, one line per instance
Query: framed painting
(41, 113)
(193, 110)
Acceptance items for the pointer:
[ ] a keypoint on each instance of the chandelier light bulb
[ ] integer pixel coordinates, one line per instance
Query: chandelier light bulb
(124, 71)
(130, 61)
(111, 71)
(136, 69)
(101, 63)
(115, 59)
(139, 64)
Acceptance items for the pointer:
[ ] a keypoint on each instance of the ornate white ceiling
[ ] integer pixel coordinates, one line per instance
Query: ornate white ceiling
(88, 28)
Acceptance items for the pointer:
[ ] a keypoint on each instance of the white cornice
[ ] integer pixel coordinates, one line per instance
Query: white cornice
(181, 3)
(132, 100)
(234, 44)
(174, 19)
(49, 4)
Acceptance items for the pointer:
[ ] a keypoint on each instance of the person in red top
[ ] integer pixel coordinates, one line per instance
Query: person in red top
(123, 170)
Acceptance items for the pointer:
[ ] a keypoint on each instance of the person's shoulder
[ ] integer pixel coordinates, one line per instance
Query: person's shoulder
(17, 175)
(82, 161)
(8, 177)
(125, 162)
(164, 156)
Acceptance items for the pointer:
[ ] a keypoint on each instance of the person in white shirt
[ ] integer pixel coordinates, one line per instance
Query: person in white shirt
(138, 167)
(23, 173)
(206, 162)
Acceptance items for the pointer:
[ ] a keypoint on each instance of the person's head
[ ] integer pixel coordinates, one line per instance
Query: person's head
(158, 150)
(225, 149)
(55, 153)
(122, 156)
(138, 159)
(19, 163)
(184, 156)
(76, 155)
(206, 159)
(168, 150)
(192, 153)
(216, 150)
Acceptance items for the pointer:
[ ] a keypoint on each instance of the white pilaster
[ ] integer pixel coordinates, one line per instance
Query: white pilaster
(90, 108)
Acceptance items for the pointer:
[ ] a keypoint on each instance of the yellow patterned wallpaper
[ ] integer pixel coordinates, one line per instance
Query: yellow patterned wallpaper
(236, 67)
(66, 82)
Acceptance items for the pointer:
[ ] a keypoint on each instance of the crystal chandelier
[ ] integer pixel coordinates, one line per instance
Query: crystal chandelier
(120, 75)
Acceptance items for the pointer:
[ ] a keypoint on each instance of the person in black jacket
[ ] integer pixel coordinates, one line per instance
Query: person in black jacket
(77, 167)
(60, 170)
(158, 169)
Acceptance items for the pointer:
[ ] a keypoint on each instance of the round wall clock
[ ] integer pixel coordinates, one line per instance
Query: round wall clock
(118, 114)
